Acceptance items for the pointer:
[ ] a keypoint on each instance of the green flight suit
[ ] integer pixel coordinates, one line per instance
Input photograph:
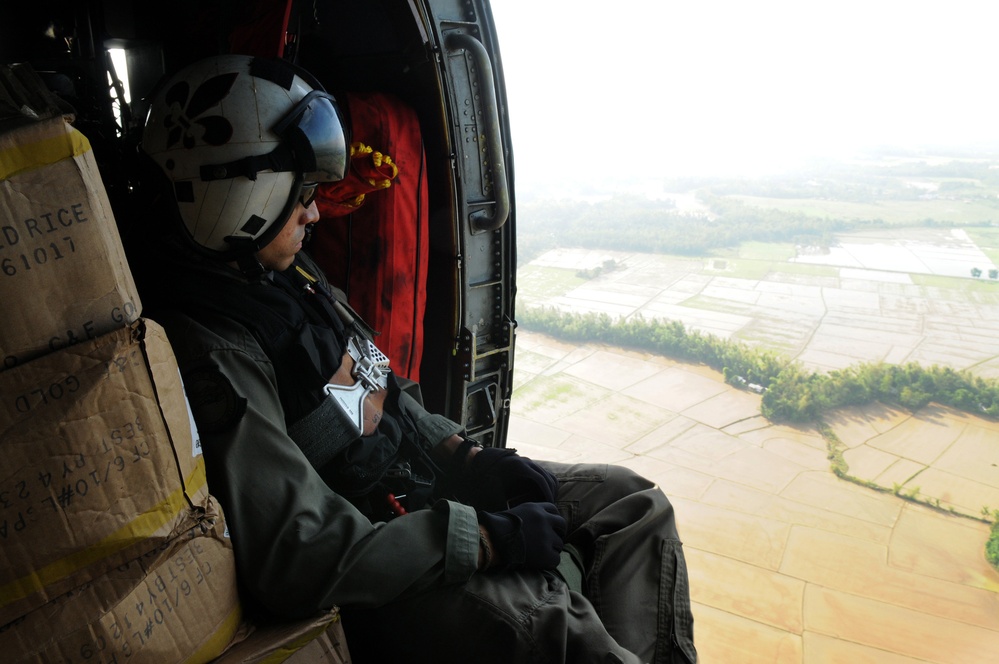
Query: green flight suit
(408, 587)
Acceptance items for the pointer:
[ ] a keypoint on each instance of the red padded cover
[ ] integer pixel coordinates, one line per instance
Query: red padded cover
(377, 252)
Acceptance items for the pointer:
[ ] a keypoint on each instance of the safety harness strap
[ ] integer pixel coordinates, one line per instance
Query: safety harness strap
(323, 433)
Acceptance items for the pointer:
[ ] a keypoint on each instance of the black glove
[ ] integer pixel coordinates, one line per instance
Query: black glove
(496, 479)
(529, 535)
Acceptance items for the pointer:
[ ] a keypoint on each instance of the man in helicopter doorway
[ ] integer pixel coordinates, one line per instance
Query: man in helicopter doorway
(310, 444)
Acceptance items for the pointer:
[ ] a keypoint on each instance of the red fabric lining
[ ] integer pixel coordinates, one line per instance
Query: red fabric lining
(378, 254)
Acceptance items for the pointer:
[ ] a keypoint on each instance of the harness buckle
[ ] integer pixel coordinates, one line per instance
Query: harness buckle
(370, 373)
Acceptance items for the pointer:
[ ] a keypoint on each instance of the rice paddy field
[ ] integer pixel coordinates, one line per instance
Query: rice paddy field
(893, 295)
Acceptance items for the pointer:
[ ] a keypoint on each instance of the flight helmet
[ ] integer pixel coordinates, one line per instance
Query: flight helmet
(238, 138)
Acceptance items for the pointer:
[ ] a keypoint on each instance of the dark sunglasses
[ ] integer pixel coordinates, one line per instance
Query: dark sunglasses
(308, 195)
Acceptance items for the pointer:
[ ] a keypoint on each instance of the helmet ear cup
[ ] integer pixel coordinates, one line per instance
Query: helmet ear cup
(211, 130)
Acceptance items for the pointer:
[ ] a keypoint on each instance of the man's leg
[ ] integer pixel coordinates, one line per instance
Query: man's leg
(637, 599)
(496, 618)
(634, 570)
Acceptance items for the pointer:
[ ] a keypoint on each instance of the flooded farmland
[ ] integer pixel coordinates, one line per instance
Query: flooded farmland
(789, 563)
(863, 303)
(948, 252)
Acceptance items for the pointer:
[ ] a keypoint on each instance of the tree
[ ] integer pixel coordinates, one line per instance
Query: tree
(790, 392)
(976, 272)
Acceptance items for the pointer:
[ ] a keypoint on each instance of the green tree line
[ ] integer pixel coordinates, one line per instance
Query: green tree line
(650, 227)
(791, 393)
(635, 223)
(646, 226)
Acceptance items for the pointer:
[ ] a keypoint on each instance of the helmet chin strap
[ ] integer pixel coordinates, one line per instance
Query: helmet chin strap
(246, 258)
(250, 266)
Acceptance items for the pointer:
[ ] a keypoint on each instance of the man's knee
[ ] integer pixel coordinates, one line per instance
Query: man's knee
(628, 480)
(613, 482)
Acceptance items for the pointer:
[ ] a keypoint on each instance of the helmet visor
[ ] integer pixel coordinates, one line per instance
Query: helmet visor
(316, 131)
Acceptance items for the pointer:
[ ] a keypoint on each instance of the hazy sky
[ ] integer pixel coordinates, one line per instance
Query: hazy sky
(721, 86)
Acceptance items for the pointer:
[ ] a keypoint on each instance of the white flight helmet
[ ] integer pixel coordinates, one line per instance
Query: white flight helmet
(238, 137)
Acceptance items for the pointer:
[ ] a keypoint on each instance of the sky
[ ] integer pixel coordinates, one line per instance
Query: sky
(636, 88)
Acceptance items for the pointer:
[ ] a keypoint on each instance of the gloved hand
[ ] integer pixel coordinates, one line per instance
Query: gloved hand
(529, 535)
(496, 479)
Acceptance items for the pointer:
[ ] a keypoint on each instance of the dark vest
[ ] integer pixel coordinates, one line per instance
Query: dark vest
(297, 327)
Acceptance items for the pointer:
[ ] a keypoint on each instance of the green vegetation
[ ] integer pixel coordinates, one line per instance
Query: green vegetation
(992, 546)
(651, 227)
(970, 287)
(807, 208)
(791, 393)
(746, 268)
(768, 251)
(608, 265)
(944, 212)
(551, 281)
(628, 224)
(987, 239)
(668, 338)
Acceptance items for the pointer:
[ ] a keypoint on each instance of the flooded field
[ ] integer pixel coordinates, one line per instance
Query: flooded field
(941, 252)
(887, 297)
(787, 562)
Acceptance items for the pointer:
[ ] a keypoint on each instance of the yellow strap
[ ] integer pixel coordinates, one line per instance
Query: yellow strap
(283, 652)
(306, 274)
(28, 156)
(138, 528)
(213, 646)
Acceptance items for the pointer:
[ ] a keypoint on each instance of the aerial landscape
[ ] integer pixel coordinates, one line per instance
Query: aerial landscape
(854, 529)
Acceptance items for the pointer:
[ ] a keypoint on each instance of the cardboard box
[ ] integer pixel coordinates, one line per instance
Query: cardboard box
(177, 603)
(99, 462)
(63, 273)
(329, 648)
(317, 641)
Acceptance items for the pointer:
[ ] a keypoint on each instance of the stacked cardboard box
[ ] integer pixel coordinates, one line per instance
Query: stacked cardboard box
(106, 522)
(176, 603)
(111, 547)
(317, 641)
(105, 518)
(99, 463)
(64, 277)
